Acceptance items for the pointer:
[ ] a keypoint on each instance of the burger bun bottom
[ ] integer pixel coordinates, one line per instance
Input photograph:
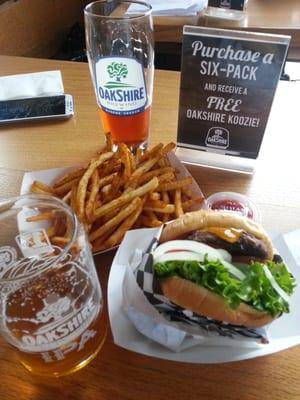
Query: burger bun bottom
(203, 302)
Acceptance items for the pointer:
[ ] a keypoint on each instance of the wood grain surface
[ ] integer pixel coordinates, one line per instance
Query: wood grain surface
(117, 373)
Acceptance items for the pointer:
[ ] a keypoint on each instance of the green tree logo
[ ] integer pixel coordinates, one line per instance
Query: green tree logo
(117, 70)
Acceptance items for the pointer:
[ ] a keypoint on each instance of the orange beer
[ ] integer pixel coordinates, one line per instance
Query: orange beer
(120, 51)
(56, 323)
(132, 129)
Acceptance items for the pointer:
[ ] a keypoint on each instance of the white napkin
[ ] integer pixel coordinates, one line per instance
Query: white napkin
(37, 84)
(174, 7)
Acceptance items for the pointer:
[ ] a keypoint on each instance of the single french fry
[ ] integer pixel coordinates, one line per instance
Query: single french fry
(142, 169)
(167, 177)
(149, 223)
(40, 217)
(126, 198)
(138, 155)
(166, 199)
(168, 208)
(178, 203)
(89, 208)
(67, 197)
(106, 180)
(132, 162)
(63, 189)
(74, 196)
(60, 240)
(175, 185)
(154, 196)
(99, 244)
(70, 176)
(35, 189)
(127, 224)
(186, 205)
(82, 186)
(167, 148)
(116, 220)
(114, 189)
(105, 190)
(154, 172)
(155, 203)
(109, 142)
(43, 187)
(125, 158)
(151, 153)
(187, 192)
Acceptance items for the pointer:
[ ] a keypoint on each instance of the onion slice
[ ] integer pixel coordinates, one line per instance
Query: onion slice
(190, 250)
(187, 245)
(275, 285)
(179, 255)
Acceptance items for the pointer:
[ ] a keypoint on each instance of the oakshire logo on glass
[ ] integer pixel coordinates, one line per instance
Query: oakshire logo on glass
(121, 88)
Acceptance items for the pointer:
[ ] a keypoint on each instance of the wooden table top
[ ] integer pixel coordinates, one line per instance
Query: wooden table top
(117, 373)
(269, 16)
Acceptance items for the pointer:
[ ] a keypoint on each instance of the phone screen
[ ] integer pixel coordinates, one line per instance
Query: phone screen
(33, 107)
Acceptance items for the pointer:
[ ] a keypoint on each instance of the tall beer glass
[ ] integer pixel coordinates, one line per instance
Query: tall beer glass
(119, 42)
(50, 296)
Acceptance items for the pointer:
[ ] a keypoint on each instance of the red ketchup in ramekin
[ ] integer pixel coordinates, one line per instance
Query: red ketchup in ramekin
(234, 203)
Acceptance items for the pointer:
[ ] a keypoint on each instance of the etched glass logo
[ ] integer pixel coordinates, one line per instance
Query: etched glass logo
(34, 243)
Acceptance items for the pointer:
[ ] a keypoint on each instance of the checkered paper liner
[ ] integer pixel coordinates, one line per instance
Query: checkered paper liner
(191, 324)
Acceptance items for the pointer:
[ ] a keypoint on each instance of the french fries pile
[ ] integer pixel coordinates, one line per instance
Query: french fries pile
(118, 191)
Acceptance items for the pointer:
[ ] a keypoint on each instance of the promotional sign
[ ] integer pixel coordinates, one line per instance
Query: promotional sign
(228, 81)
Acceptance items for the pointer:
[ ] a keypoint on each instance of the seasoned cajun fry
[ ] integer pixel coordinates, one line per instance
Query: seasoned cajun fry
(151, 153)
(89, 208)
(168, 208)
(186, 205)
(116, 220)
(175, 185)
(124, 155)
(109, 142)
(187, 192)
(40, 217)
(69, 177)
(154, 196)
(126, 198)
(60, 240)
(35, 189)
(178, 203)
(67, 197)
(169, 176)
(43, 187)
(127, 224)
(168, 147)
(73, 197)
(63, 189)
(149, 223)
(155, 172)
(166, 199)
(82, 186)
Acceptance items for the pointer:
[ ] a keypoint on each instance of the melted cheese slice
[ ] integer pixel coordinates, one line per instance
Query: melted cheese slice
(231, 235)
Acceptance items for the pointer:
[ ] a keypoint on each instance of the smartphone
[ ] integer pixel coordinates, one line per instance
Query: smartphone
(36, 108)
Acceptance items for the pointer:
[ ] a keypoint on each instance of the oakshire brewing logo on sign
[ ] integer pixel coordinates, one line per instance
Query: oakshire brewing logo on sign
(228, 81)
(121, 88)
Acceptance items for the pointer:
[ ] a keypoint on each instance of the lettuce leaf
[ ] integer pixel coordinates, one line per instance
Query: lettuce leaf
(255, 289)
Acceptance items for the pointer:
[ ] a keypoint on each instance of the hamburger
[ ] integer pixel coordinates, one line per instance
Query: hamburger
(222, 266)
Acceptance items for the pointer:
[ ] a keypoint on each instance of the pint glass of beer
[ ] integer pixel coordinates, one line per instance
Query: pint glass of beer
(50, 297)
(119, 42)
